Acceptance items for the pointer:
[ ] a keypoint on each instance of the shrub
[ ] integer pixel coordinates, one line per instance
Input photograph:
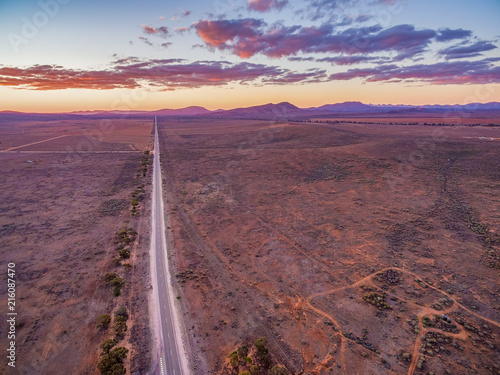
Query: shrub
(278, 370)
(110, 276)
(107, 345)
(261, 346)
(117, 282)
(103, 321)
(120, 327)
(254, 370)
(243, 351)
(245, 373)
(121, 312)
(117, 291)
(124, 253)
(112, 363)
(233, 359)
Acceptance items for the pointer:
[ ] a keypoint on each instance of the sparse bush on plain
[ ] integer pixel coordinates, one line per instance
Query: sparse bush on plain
(233, 359)
(121, 312)
(124, 253)
(103, 321)
(112, 363)
(278, 370)
(107, 345)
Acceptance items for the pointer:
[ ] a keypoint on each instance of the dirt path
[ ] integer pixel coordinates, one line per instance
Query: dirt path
(34, 143)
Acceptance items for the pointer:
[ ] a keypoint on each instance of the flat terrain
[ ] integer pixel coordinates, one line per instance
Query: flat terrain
(342, 244)
(59, 215)
(75, 135)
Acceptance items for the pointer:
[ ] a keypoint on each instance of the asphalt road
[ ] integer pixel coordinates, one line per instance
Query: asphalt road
(169, 361)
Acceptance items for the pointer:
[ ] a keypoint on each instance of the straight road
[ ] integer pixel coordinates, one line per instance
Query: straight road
(172, 360)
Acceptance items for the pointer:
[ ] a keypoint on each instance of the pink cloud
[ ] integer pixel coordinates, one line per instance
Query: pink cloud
(166, 74)
(161, 31)
(266, 5)
(248, 37)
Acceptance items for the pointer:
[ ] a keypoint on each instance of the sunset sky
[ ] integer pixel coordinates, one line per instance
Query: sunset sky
(67, 55)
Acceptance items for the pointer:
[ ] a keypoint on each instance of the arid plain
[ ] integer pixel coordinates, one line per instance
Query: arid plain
(342, 244)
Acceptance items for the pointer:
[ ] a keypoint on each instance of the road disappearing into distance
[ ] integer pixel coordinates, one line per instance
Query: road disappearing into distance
(172, 357)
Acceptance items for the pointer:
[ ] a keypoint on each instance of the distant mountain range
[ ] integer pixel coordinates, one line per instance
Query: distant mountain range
(281, 111)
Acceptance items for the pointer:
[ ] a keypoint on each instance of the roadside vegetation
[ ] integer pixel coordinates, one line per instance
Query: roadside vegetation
(115, 325)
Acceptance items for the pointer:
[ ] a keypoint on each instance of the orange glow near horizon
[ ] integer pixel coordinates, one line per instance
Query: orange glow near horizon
(213, 98)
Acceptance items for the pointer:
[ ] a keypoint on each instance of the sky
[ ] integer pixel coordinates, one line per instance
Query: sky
(73, 55)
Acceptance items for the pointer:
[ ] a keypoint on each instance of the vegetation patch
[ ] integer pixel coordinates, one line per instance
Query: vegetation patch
(378, 300)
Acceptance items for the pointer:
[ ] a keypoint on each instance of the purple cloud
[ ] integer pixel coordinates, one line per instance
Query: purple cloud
(248, 37)
(161, 31)
(445, 35)
(458, 72)
(350, 60)
(161, 74)
(472, 50)
(266, 5)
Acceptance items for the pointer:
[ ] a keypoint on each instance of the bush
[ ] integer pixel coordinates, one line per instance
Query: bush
(112, 363)
(243, 351)
(124, 253)
(107, 345)
(110, 276)
(117, 282)
(120, 327)
(278, 370)
(117, 291)
(254, 370)
(103, 321)
(233, 359)
(121, 312)
(261, 346)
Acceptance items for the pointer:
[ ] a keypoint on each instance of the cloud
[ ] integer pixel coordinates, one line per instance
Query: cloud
(216, 33)
(161, 31)
(266, 5)
(158, 74)
(458, 72)
(445, 35)
(462, 51)
(181, 30)
(145, 40)
(248, 37)
(300, 58)
(350, 60)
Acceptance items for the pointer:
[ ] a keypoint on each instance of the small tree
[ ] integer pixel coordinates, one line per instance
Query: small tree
(261, 346)
(254, 370)
(245, 373)
(107, 345)
(110, 276)
(103, 321)
(121, 312)
(278, 370)
(124, 253)
(233, 359)
(119, 353)
(120, 328)
(243, 351)
(117, 282)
